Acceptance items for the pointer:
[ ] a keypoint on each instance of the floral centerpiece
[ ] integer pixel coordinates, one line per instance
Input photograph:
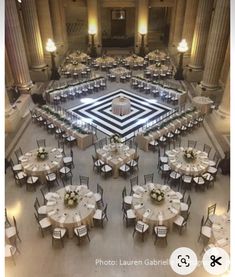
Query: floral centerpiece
(157, 195)
(189, 155)
(42, 153)
(71, 199)
(115, 138)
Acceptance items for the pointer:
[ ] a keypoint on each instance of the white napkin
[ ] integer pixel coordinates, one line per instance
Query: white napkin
(140, 189)
(89, 194)
(222, 242)
(55, 162)
(55, 195)
(173, 210)
(150, 186)
(146, 213)
(67, 188)
(136, 195)
(50, 213)
(176, 201)
(28, 154)
(28, 165)
(62, 219)
(23, 160)
(35, 168)
(51, 203)
(60, 150)
(90, 206)
(109, 158)
(120, 159)
(171, 193)
(216, 227)
(77, 218)
(58, 156)
(53, 150)
(138, 206)
(47, 167)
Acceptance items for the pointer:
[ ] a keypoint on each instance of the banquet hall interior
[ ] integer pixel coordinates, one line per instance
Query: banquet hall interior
(117, 135)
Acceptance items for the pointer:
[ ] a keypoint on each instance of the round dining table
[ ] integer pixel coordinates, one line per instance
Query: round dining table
(33, 166)
(63, 216)
(121, 106)
(147, 210)
(178, 163)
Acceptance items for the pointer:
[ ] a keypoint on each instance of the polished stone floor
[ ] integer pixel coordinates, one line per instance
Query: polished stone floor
(115, 241)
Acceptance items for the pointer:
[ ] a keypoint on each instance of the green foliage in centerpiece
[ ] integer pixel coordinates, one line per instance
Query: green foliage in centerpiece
(42, 153)
(71, 198)
(115, 138)
(157, 195)
(190, 155)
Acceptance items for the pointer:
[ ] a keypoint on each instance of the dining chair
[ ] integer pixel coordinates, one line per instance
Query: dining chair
(106, 170)
(148, 178)
(124, 170)
(205, 230)
(141, 228)
(84, 181)
(100, 215)
(207, 149)
(81, 232)
(211, 212)
(126, 199)
(181, 222)
(160, 233)
(15, 167)
(99, 194)
(7, 221)
(41, 143)
(12, 231)
(97, 164)
(65, 175)
(129, 216)
(40, 210)
(184, 207)
(68, 160)
(20, 178)
(31, 183)
(44, 224)
(10, 252)
(18, 152)
(58, 234)
(192, 143)
(134, 184)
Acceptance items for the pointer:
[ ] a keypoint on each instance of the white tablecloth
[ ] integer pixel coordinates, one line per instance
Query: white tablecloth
(36, 167)
(115, 158)
(150, 212)
(63, 216)
(178, 163)
(221, 231)
(121, 106)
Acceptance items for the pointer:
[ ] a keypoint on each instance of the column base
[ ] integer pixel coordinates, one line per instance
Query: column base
(41, 75)
(215, 94)
(221, 121)
(193, 75)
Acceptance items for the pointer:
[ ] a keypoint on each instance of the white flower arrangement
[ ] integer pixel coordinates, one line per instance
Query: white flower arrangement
(71, 198)
(157, 195)
(42, 153)
(190, 155)
(115, 139)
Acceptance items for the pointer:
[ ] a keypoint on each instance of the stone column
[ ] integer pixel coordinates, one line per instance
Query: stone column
(200, 37)
(9, 80)
(93, 23)
(224, 107)
(142, 23)
(172, 25)
(189, 22)
(56, 25)
(217, 44)
(44, 20)
(63, 25)
(15, 48)
(226, 65)
(178, 25)
(33, 34)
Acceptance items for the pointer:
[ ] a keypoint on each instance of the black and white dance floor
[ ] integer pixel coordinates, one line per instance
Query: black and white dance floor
(99, 112)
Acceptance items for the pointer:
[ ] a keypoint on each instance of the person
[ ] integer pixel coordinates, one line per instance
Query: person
(224, 164)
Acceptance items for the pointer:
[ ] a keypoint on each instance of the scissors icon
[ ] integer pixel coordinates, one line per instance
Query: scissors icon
(215, 261)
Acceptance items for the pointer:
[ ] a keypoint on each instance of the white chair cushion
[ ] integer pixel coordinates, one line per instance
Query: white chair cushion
(80, 231)
(179, 220)
(146, 226)
(10, 232)
(9, 250)
(212, 163)
(45, 222)
(17, 167)
(106, 168)
(187, 179)
(124, 168)
(157, 233)
(179, 195)
(206, 231)
(62, 233)
(163, 160)
(183, 207)
(71, 138)
(132, 163)
(199, 180)
(99, 163)
(42, 210)
(207, 176)
(98, 214)
(67, 160)
(130, 214)
(212, 170)
(51, 177)
(97, 197)
(20, 175)
(175, 175)
(128, 199)
(32, 180)
(64, 170)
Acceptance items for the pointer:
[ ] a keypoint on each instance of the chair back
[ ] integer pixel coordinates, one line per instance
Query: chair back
(189, 202)
(104, 212)
(202, 221)
(36, 204)
(18, 153)
(57, 233)
(41, 143)
(81, 230)
(211, 210)
(192, 143)
(123, 192)
(43, 195)
(71, 153)
(139, 226)
(100, 190)
(37, 219)
(148, 178)
(93, 159)
(84, 180)
(162, 231)
(207, 149)
(134, 181)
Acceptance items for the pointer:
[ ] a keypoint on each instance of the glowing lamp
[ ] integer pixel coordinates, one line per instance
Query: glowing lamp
(50, 46)
(183, 46)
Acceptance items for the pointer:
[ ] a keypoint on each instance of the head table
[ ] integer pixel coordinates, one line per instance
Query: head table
(177, 161)
(61, 215)
(34, 166)
(163, 213)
